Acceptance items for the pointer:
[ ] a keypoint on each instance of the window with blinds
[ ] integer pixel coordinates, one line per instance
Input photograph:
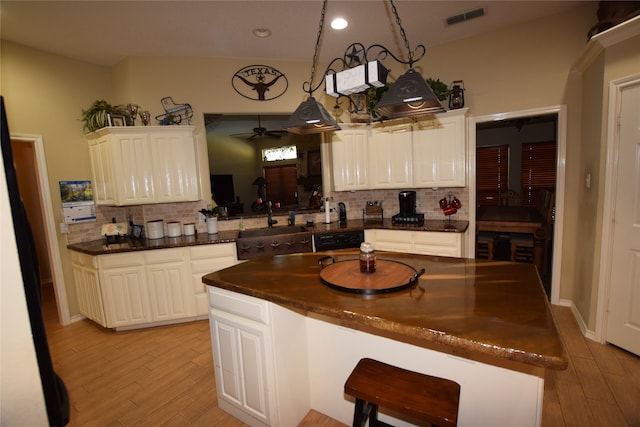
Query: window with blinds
(492, 174)
(538, 171)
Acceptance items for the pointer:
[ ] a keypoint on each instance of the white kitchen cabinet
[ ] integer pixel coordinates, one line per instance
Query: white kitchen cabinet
(85, 274)
(261, 378)
(168, 279)
(438, 243)
(103, 175)
(350, 155)
(206, 259)
(124, 289)
(429, 153)
(175, 167)
(144, 165)
(439, 146)
(390, 157)
(417, 242)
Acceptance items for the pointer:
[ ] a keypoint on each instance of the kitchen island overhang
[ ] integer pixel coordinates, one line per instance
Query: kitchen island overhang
(490, 316)
(472, 307)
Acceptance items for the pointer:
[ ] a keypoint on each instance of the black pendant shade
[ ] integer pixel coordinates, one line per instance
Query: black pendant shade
(311, 117)
(410, 95)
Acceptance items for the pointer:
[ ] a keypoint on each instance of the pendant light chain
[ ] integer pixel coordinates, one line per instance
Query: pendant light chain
(309, 90)
(402, 33)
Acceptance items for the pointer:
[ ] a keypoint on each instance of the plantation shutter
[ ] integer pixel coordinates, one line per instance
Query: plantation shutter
(492, 174)
(538, 170)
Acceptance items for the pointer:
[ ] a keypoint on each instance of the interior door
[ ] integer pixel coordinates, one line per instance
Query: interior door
(623, 319)
(282, 184)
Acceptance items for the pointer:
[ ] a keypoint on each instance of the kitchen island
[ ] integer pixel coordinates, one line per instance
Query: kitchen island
(284, 342)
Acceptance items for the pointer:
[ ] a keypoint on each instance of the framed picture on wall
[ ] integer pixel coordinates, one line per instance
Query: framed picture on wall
(314, 165)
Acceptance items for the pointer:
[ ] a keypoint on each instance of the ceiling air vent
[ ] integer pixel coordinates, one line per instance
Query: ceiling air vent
(465, 16)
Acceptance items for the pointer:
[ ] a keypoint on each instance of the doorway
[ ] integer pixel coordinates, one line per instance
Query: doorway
(33, 181)
(520, 118)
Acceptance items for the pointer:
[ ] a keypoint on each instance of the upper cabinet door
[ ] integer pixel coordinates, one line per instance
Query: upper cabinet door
(134, 169)
(350, 155)
(144, 165)
(102, 172)
(175, 167)
(439, 145)
(390, 154)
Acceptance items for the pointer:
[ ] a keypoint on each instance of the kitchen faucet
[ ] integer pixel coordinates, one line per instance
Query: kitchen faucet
(270, 220)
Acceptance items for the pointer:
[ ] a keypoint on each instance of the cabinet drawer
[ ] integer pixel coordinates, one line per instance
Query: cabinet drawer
(159, 256)
(238, 304)
(121, 260)
(213, 251)
(84, 259)
(436, 238)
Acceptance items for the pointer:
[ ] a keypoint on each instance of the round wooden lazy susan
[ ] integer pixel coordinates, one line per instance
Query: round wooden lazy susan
(390, 276)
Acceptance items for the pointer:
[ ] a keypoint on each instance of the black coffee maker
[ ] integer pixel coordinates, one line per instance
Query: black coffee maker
(407, 215)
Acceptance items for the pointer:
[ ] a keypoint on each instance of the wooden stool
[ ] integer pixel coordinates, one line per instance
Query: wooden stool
(420, 397)
(522, 247)
(485, 243)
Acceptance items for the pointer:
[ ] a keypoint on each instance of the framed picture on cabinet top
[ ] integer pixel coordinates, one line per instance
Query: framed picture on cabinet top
(117, 120)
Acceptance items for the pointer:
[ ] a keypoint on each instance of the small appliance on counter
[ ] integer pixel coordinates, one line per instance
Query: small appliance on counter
(407, 215)
(342, 213)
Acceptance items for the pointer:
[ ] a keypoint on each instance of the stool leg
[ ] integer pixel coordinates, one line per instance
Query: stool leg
(359, 416)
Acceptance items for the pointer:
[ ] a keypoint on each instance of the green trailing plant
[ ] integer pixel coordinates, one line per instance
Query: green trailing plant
(374, 95)
(97, 115)
(440, 89)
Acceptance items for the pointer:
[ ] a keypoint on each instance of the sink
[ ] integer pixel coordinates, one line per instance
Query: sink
(273, 241)
(275, 231)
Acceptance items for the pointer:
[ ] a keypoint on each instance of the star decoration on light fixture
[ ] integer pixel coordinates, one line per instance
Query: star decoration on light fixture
(354, 55)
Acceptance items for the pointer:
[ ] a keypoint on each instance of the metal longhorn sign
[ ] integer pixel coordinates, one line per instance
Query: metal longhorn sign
(259, 82)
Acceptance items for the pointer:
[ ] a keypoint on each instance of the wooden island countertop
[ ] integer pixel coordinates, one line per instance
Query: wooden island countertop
(493, 311)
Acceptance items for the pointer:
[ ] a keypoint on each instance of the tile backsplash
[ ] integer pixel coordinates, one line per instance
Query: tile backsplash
(426, 201)
(187, 212)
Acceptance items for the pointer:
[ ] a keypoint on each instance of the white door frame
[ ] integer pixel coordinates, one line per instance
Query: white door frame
(561, 137)
(49, 225)
(608, 208)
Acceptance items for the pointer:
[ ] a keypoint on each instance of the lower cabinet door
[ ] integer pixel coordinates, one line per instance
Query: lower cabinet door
(168, 291)
(89, 295)
(125, 296)
(240, 364)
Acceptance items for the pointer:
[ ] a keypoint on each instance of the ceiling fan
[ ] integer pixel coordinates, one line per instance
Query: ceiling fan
(261, 131)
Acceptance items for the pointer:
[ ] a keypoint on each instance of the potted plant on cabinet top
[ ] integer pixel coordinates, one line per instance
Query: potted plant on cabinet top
(97, 116)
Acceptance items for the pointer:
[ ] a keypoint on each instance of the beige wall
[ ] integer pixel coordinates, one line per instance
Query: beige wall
(518, 68)
(585, 272)
(44, 95)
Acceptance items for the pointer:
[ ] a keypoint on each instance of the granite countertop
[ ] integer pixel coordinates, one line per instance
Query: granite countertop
(101, 247)
(492, 311)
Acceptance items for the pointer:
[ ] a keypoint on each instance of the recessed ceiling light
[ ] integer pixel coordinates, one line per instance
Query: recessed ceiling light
(262, 32)
(339, 24)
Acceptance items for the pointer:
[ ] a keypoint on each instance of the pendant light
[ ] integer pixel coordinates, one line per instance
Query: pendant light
(410, 95)
(311, 116)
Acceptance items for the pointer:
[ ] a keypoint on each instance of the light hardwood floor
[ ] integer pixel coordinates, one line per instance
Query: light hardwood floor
(164, 377)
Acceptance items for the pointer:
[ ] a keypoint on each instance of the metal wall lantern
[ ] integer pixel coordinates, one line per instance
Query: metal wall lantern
(456, 97)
